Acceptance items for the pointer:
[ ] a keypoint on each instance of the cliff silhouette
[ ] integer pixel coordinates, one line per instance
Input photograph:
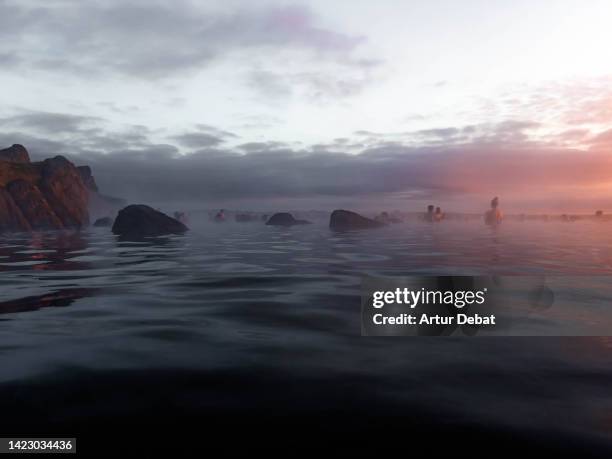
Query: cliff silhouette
(50, 194)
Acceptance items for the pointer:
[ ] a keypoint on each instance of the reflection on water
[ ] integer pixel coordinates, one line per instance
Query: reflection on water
(59, 298)
(251, 300)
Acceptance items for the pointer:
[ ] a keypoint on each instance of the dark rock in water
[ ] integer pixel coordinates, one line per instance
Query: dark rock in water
(103, 222)
(347, 220)
(11, 218)
(33, 205)
(16, 154)
(88, 178)
(140, 221)
(285, 219)
(63, 187)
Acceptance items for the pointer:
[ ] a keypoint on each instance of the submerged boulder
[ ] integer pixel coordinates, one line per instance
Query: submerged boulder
(138, 220)
(285, 219)
(15, 154)
(347, 220)
(33, 205)
(11, 218)
(103, 222)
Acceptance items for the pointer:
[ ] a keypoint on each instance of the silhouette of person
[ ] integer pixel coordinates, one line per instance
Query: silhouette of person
(220, 217)
(429, 216)
(494, 215)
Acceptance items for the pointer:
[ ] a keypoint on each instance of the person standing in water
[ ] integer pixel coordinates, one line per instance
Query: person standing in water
(220, 217)
(429, 216)
(494, 215)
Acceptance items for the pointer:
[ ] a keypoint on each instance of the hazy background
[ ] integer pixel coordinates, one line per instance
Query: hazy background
(318, 104)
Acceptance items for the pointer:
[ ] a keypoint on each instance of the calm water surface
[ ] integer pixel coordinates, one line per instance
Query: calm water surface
(268, 319)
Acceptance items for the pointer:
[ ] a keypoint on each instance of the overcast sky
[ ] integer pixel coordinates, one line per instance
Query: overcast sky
(388, 103)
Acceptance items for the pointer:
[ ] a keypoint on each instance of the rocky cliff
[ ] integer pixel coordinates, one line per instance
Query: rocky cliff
(51, 194)
(15, 154)
(88, 178)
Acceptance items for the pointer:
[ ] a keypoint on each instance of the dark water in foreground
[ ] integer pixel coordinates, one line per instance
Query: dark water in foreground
(242, 323)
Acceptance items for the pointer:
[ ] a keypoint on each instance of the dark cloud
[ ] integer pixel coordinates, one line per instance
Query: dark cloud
(440, 133)
(214, 175)
(153, 39)
(253, 147)
(9, 59)
(506, 132)
(215, 131)
(198, 140)
(492, 159)
(160, 173)
(203, 136)
(47, 122)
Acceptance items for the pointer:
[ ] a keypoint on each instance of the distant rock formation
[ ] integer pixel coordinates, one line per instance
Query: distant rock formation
(40, 195)
(50, 194)
(137, 221)
(63, 187)
(16, 154)
(103, 222)
(88, 179)
(347, 220)
(285, 219)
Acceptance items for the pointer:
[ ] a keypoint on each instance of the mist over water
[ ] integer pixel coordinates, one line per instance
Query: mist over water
(252, 319)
